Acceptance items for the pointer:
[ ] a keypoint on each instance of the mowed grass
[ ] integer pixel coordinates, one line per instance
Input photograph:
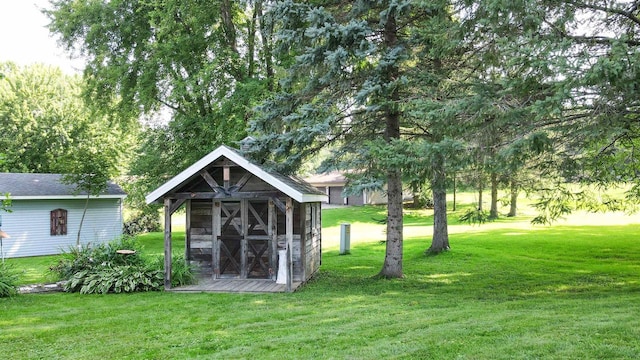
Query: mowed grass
(504, 291)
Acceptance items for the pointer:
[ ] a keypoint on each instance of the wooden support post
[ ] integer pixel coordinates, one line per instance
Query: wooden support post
(167, 244)
(319, 229)
(187, 233)
(289, 235)
(216, 215)
(272, 232)
(244, 219)
(305, 211)
(226, 176)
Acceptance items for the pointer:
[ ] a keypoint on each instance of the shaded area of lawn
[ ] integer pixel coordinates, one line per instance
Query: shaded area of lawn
(377, 215)
(558, 292)
(505, 264)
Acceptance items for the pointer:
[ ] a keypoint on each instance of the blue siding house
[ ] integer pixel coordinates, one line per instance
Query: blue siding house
(45, 215)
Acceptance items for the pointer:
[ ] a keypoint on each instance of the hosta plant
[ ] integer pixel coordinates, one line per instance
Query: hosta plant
(8, 280)
(116, 279)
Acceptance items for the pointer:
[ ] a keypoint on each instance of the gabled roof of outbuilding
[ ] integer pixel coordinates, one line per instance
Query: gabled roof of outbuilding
(23, 186)
(333, 178)
(292, 186)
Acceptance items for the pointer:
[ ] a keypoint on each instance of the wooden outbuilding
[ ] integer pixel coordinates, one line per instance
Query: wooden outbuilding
(334, 183)
(243, 221)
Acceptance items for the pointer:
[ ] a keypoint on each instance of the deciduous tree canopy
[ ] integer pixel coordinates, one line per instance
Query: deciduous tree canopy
(202, 64)
(47, 128)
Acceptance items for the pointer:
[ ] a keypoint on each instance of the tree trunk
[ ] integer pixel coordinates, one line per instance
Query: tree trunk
(416, 191)
(440, 240)
(266, 32)
(251, 40)
(514, 198)
(493, 213)
(86, 206)
(480, 199)
(226, 12)
(454, 192)
(392, 267)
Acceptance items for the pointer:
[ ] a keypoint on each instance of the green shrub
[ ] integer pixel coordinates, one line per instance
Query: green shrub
(8, 280)
(90, 256)
(422, 200)
(117, 279)
(142, 223)
(101, 269)
(181, 271)
(73, 260)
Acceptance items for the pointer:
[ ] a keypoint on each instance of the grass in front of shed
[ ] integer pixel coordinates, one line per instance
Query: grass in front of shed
(548, 292)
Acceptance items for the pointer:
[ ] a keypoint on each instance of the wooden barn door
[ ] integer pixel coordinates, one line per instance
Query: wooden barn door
(245, 245)
(258, 240)
(230, 240)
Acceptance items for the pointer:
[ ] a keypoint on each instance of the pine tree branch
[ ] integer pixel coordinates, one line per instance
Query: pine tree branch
(628, 14)
(611, 144)
(600, 40)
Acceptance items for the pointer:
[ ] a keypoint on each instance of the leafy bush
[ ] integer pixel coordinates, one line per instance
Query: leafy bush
(88, 256)
(8, 280)
(181, 271)
(142, 223)
(117, 279)
(101, 269)
(422, 200)
(5, 203)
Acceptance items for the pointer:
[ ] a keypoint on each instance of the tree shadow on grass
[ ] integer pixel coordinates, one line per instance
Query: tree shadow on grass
(496, 265)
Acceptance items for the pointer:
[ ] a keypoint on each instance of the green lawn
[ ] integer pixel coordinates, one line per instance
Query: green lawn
(506, 290)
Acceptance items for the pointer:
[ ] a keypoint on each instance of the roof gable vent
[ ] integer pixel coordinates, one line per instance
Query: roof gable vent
(246, 143)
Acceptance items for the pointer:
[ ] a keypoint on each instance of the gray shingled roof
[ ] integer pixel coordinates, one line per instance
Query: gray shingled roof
(45, 186)
(333, 178)
(295, 182)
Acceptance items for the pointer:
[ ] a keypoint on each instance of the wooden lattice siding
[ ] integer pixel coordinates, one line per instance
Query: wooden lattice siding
(314, 240)
(311, 223)
(199, 249)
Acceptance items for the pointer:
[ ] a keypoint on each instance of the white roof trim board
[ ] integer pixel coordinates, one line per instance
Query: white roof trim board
(39, 186)
(66, 197)
(239, 160)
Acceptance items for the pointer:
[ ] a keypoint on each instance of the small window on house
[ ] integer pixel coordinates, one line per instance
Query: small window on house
(58, 222)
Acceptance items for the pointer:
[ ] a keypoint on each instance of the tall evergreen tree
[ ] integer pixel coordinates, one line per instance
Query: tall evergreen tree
(370, 80)
(604, 114)
(578, 66)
